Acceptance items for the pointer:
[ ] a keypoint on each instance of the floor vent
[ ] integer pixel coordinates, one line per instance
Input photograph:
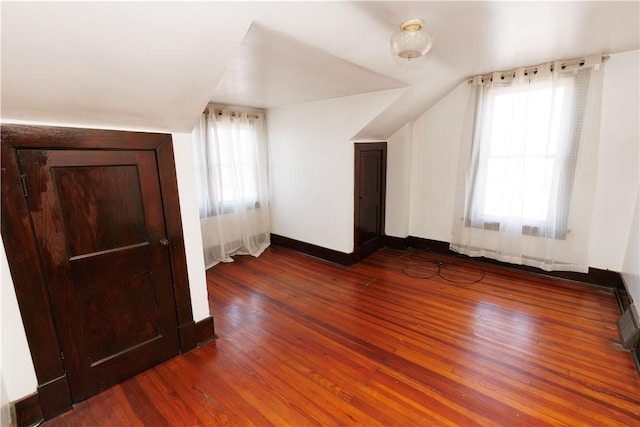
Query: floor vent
(628, 328)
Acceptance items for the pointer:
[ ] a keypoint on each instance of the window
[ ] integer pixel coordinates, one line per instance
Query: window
(230, 159)
(528, 160)
(526, 141)
(237, 162)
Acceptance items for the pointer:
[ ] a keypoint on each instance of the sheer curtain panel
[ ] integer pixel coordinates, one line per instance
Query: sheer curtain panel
(528, 165)
(230, 155)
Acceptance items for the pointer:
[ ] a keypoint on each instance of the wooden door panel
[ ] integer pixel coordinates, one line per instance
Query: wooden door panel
(105, 299)
(370, 194)
(369, 197)
(369, 224)
(98, 219)
(110, 327)
(370, 172)
(125, 261)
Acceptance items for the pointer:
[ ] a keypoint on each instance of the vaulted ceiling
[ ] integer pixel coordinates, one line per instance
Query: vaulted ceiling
(155, 65)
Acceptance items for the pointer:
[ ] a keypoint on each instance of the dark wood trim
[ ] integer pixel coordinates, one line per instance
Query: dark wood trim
(622, 294)
(428, 244)
(26, 271)
(361, 250)
(42, 137)
(28, 411)
(173, 220)
(55, 397)
(314, 250)
(595, 276)
(623, 298)
(636, 356)
(187, 336)
(393, 242)
(24, 259)
(417, 330)
(205, 331)
(624, 301)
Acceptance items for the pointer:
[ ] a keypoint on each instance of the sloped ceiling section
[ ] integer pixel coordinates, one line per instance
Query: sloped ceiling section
(273, 69)
(156, 64)
(480, 37)
(115, 64)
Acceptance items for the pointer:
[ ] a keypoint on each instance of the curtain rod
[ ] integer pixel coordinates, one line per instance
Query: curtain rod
(534, 68)
(233, 113)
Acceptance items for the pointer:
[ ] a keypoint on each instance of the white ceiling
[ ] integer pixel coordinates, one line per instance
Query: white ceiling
(155, 65)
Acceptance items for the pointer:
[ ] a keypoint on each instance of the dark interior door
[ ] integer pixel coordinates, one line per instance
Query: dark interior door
(370, 183)
(99, 224)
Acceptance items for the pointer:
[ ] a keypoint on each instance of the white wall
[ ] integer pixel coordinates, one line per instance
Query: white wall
(434, 166)
(398, 182)
(17, 367)
(185, 173)
(18, 373)
(311, 166)
(435, 150)
(5, 411)
(618, 167)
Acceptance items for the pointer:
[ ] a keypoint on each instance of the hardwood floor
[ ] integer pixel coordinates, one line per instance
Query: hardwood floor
(302, 342)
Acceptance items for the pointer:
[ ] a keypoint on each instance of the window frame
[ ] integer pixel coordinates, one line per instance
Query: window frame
(225, 207)
(559, 230)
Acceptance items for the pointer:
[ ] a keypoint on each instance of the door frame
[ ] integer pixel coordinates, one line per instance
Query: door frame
(24, 260)
(359, 250)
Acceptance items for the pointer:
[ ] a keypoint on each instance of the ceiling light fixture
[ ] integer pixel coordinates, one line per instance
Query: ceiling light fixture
(411, 42)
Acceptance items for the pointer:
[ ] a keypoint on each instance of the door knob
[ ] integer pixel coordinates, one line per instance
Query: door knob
(164, 242)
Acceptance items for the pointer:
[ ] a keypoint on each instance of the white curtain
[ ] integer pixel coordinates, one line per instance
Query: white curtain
(230, 155)
(528, 164)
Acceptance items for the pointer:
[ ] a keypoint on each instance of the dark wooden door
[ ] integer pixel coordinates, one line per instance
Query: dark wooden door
(370, 183)
(98, 219)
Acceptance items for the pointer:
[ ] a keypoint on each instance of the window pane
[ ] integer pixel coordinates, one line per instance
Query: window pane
(228, 183)
(250, 180)
(504, 141)
(523, 139)
(537, 188)
(544, 111)
(538, 123)
(502, 196)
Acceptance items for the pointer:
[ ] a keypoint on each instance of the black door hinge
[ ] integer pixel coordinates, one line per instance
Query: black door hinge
(23, 179)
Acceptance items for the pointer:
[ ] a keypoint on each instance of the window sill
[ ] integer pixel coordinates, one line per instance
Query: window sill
(531, 230)
(230, 209)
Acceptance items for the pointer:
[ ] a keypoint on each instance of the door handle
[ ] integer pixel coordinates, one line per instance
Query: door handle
(164, 242)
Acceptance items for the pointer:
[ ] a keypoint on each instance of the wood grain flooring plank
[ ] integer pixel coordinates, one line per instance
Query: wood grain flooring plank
(304, 342)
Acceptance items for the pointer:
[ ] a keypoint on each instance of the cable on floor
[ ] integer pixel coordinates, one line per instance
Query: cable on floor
(427, 265)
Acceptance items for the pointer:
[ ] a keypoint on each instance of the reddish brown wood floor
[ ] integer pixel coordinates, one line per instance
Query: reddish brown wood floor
(302, 342)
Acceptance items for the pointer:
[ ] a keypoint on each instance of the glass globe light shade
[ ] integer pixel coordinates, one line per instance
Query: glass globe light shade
(411, 42)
